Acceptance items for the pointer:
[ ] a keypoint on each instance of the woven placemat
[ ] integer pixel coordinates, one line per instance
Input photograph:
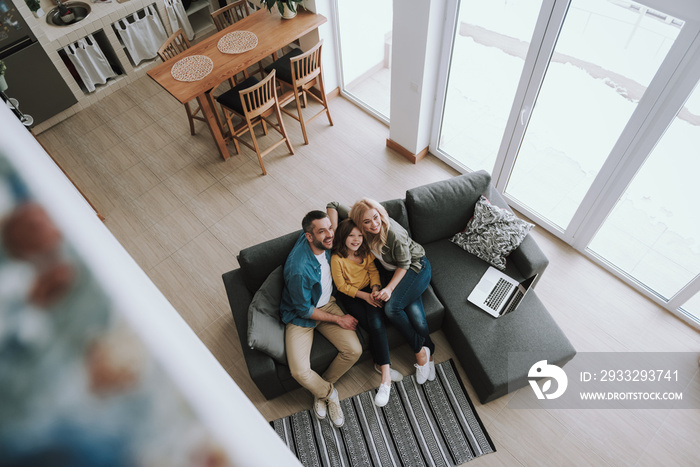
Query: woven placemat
(192, 68)
(237, 42)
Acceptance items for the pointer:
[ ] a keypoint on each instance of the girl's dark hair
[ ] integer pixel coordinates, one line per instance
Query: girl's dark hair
(341, 235)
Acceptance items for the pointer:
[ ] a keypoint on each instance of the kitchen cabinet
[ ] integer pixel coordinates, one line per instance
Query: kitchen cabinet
(36, 84)
(54, 39)
(199, 14)
(140, 34)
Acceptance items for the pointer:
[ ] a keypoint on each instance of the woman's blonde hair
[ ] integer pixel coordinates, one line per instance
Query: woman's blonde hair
(375, 241)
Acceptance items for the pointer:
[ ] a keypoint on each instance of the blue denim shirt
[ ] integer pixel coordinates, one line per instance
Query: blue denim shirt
(302, 284)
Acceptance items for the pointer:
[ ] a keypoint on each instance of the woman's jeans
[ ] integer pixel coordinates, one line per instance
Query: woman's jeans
(371, 319)
(405, 307)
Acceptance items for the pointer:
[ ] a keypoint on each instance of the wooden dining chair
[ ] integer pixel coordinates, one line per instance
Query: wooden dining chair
(301, 71)
(231, 14)
(254, 101)
(175, 45)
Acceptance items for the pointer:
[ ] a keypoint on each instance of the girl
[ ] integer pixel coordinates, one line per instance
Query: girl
(406, 276)
(356, 276)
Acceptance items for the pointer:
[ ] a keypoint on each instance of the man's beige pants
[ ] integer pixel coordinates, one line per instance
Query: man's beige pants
(298, 341)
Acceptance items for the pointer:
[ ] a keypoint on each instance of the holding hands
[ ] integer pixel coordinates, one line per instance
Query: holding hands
(369, 298)
(382, 295)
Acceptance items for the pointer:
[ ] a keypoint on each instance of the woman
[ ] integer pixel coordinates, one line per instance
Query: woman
(356, 277)
(406, 276)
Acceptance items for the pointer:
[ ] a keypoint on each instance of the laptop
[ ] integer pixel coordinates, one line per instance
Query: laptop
(498, 294)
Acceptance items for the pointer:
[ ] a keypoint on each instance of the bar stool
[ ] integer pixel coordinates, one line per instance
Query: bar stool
(175, 45)
(301, 71)
(253, 101)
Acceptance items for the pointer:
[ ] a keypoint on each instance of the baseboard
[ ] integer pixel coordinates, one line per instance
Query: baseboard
(405, 152)
(334, 93)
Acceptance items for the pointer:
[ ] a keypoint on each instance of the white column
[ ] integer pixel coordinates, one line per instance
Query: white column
(416, 42)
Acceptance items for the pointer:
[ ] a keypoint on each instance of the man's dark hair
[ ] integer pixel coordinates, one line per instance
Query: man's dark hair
(309, 218)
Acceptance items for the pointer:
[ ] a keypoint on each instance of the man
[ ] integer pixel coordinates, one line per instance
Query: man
(307, 304)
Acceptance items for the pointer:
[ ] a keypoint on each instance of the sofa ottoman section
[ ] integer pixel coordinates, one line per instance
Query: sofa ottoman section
(481, 342)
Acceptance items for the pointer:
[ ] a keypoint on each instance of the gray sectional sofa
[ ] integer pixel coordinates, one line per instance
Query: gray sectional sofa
(432, 214)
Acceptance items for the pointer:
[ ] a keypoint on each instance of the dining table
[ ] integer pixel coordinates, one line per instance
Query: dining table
(272, 32)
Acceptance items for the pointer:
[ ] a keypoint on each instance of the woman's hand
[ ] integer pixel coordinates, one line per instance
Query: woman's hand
(384, 295)
(369, 299)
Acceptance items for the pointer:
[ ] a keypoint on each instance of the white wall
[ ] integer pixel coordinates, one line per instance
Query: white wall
(326, 32)
(417, 39)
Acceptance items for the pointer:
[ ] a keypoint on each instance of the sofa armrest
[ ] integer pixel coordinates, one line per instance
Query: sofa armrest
(262, 367)
(528, 258)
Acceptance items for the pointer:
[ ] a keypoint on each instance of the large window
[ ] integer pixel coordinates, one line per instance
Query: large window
(490, 45)
(584, 112)
(364, 36)
(653, 234)
(605, 57)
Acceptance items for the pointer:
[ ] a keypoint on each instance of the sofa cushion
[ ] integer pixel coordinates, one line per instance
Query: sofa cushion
(261, 367)
(440, 210)
(265, 329)
(396, 208)
(258, 261)
(492, 233)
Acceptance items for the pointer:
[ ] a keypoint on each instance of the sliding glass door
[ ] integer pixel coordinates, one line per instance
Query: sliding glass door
(491, 42)
(653, 233)
(606, 55)
(364, 36)
(570, 104)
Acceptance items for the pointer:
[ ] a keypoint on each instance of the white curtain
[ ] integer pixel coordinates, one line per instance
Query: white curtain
(90, 63)
(178, 18)
(144, 36)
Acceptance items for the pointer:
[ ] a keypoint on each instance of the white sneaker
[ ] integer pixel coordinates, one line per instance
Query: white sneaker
(423, 371)
(320, 408)
(395, 375)
(334, 410)
(431, 374)
(382, 397)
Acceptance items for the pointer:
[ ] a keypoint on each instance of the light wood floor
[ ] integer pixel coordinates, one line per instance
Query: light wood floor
(184, 214)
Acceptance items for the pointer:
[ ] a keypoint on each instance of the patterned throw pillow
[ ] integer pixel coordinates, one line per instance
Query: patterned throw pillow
(492, 233)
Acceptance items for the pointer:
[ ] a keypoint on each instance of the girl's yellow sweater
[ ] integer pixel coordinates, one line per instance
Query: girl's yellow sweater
(349, 276)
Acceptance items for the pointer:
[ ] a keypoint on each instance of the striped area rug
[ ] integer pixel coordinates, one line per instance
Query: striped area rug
(433, 425)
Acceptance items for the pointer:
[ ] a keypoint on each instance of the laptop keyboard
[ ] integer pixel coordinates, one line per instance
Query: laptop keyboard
(514, 303)
(498, 294)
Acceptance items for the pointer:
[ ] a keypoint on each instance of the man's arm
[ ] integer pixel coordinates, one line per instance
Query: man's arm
(346, 321)
(336, 212)
(299, 297)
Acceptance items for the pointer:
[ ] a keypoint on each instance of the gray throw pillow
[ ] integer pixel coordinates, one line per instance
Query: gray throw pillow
(492, 233)
(265, 328)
